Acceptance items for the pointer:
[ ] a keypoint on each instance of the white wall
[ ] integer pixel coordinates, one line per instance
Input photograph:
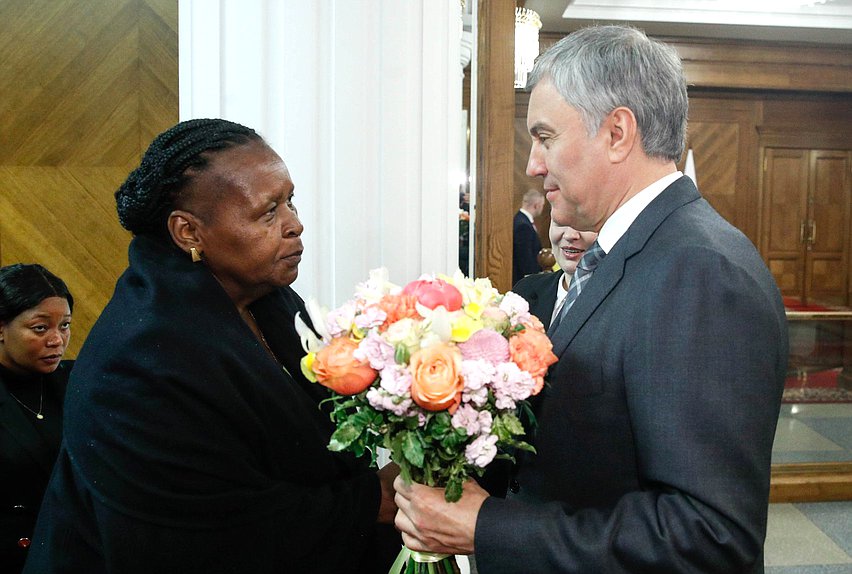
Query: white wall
(362, 99)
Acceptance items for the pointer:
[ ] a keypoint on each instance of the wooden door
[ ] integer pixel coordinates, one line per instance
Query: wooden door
(827, 246)
(806, 223)
(785, 218)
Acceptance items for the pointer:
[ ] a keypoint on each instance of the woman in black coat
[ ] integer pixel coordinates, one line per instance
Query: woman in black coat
(35, 325)
(192, 441)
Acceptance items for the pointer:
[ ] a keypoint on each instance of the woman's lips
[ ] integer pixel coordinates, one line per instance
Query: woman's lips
(573, 254)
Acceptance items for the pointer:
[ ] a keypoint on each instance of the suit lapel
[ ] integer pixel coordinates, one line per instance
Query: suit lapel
(611, 269)
(14, 422)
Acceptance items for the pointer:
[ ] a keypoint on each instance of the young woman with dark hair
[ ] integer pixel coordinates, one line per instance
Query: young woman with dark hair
(35, 325)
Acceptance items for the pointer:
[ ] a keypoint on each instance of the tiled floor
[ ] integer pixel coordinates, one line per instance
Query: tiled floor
(812, 538)
(816, 432)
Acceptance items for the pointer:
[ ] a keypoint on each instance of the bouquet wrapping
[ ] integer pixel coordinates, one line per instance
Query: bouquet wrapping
(437, 372)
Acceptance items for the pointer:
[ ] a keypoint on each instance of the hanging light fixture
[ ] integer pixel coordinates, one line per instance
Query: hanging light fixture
(527, 25)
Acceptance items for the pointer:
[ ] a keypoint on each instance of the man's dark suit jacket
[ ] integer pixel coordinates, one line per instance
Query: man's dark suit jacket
(525, 248)
(26, 460)
(655, 432)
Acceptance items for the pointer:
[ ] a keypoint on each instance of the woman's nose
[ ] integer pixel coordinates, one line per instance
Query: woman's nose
(292, 226)
(54, 338)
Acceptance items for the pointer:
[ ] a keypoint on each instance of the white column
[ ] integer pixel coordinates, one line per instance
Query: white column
(362, 99)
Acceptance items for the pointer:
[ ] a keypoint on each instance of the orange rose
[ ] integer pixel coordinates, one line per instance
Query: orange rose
(532, 351)
(337, 369)
(436, 382)
(398, 307)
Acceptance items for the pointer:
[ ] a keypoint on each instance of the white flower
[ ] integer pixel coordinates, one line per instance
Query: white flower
(516, 307)
(376, 287)
(404, 332)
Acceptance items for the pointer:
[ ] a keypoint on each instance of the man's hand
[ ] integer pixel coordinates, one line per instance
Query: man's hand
(431, 524)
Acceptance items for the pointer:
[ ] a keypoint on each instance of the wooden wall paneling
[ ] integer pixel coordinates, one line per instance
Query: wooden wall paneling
(64, 218)
(722, 135)
(85, 87)
(495, 142)
(765, 65)
(158, 68)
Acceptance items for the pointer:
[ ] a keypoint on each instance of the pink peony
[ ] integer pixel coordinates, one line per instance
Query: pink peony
(435, 293)
(486, 345)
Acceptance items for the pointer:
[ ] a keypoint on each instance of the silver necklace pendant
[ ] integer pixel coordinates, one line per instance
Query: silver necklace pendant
(39, 416)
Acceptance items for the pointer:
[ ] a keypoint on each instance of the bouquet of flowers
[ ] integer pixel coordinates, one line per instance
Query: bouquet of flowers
(435, 372)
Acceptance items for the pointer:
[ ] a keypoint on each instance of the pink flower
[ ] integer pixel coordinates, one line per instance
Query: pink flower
(434, 293)
(376, 351)
(486, 345)
(477, 376)
(511, 384)
(482, 450)
(473, 421)
(369, 317)
(339, 321)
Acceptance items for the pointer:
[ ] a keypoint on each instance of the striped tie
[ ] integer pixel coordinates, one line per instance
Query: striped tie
(582, 274)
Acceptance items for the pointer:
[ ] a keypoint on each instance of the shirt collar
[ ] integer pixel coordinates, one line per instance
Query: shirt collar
(618, 223)
(528, 214)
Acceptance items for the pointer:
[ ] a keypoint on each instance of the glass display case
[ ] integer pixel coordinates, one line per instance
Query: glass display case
(812, 455)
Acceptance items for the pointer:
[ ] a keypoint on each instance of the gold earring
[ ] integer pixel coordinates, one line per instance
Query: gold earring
(196, 256)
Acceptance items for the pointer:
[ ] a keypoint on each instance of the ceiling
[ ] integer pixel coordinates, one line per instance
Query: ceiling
(826, 22)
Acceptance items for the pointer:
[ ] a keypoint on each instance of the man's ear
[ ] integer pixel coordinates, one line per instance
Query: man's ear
(183, 227)
(623, 133)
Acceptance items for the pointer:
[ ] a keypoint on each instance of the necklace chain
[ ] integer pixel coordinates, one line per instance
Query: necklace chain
(38, 414)
(265, 343)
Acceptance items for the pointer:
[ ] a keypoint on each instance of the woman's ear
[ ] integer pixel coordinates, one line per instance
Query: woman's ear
(183, 227)
(623, 133)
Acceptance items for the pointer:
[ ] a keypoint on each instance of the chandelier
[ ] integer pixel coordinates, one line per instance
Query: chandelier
(527, 25)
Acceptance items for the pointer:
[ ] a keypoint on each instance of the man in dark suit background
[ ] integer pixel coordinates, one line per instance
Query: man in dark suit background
(655, 429)
(525, 241)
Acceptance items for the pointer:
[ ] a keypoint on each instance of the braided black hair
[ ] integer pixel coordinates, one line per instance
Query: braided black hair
(25, 285)
(145, 200)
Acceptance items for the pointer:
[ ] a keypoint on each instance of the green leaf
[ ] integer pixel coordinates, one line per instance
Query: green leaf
(401, 354)
(453, 490)
(344, 436)
(412, 448)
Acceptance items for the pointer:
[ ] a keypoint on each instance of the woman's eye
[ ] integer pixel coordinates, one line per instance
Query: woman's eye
(65, 326)
(39, 328)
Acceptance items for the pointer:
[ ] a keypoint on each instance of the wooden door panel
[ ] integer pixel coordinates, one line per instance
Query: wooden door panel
(785, 204)
(829, 201)
(827, 257)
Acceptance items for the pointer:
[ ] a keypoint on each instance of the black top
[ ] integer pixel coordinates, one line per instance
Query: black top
(189, 449)
(28, 449)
